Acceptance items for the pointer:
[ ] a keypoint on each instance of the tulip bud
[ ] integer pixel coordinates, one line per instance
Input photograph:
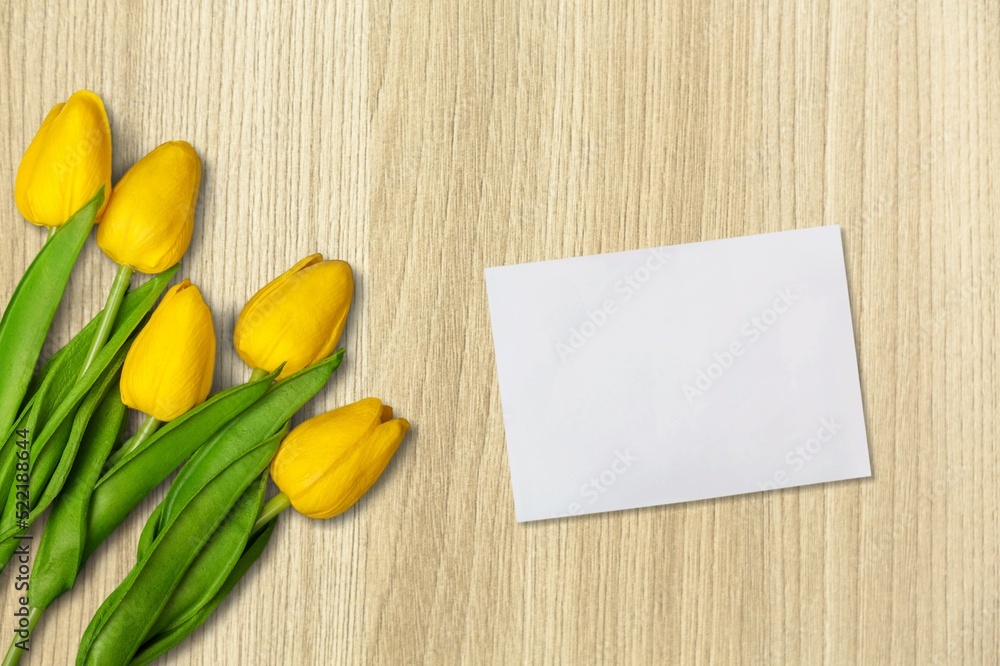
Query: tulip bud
(327, 463)
(297, 319)
(169, 368)
(150, 216)
(66, 163)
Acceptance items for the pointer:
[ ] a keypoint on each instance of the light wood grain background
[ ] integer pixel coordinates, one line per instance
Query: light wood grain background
(424, 141)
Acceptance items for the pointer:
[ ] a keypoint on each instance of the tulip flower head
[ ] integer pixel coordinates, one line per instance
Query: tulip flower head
(169, 368)
(150, 216)
(66, 163)
(327, 463)
(298, 318)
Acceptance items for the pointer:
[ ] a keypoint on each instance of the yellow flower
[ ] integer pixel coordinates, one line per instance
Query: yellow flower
(66, 163)
(150, 215)
(327, 463)
(298, 318)
(169, 368)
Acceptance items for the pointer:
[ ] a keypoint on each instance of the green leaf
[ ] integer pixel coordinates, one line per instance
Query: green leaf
(125, 325)
(198, 501)
(50, 393)
(16, 453)
(52, 464)
(117, 631)
(54, 383)
(209, 571)
(47, 448)
(60, 371)
(165, 640)
(28, 315)
(149, 532)
(23, 431)
(123, 487)
(60, 550)
(265, 418)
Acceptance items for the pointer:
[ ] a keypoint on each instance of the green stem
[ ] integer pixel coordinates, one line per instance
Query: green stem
(257, 374)
(118, 288)
(14, 652)
(274, 506)
(147, 428)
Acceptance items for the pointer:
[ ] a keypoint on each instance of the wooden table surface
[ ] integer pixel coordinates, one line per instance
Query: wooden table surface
(423, 142)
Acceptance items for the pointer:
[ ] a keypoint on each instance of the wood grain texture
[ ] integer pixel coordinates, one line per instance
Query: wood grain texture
(424, 141)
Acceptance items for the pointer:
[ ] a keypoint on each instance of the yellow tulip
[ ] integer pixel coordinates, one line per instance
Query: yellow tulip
(66, 163)
(327, 463)
(169, 368)
(150, 216)
(298, 318)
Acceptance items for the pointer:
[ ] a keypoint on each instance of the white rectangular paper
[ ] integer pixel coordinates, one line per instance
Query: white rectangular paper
(679, 373)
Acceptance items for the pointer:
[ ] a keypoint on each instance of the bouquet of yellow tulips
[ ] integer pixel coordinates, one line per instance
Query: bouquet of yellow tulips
(63, 423)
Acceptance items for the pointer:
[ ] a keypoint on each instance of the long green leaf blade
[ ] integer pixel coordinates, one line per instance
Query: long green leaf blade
(51, 466)
(125, 326)
(60, 549)
(123, 487)
(60, 371)
(54, 464)
(59, 375)
(117, 631)
(158, 645)
(209, 571)
(265, 418)
(47, 448)
(28, 315)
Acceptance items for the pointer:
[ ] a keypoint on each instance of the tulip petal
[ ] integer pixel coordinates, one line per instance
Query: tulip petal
(67, 161)
(322, 442)
(328, 462)
(170, 366)
(150, 217)
(298, 318)
(346, 482)
(263, 295)
(28, 168)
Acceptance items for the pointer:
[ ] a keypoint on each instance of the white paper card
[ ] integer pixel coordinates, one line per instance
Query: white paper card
(679, 373)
